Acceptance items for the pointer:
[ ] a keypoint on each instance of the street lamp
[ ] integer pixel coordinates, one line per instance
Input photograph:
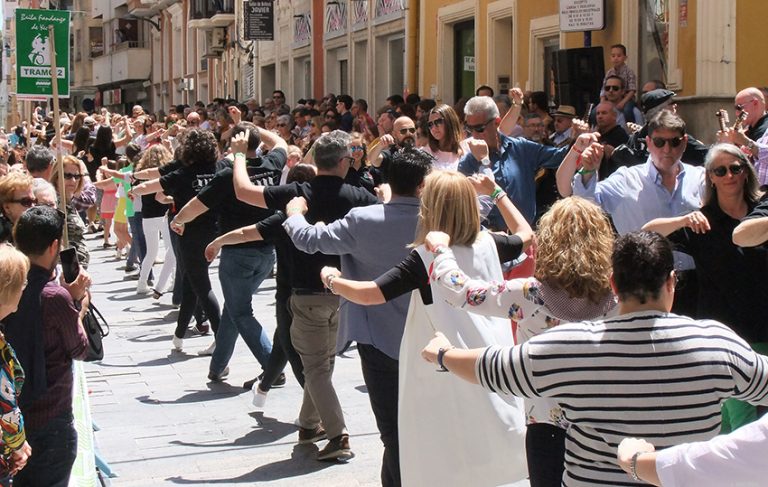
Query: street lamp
(154, 24)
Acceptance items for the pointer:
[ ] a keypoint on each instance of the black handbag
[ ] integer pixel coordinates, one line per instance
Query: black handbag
(96, 328)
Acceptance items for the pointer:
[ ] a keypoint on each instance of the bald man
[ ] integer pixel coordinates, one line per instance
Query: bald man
(752, 101)
(403, 135)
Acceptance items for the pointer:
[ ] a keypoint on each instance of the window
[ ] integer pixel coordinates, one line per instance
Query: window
(96, 41)
(654, 40)
(343, 76)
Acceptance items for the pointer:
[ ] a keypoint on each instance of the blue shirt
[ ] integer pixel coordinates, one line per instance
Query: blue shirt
(514, 166)
(635, 195)
(370, 240)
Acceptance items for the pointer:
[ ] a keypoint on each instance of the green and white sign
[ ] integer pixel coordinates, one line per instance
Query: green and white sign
(33, 52)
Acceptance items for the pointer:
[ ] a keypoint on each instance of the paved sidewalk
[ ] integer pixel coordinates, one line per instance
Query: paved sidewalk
(163, 423)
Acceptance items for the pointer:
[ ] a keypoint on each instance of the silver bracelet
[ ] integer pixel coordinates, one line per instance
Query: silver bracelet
(329, 283)
(633, 466)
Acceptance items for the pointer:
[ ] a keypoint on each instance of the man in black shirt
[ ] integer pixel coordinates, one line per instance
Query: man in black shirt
(315, 311)
(612, 135)
(242, 267)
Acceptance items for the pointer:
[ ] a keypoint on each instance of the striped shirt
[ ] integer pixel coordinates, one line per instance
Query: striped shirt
(647, 374)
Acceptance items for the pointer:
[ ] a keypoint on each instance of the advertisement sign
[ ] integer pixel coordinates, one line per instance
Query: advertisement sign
(33, 52)
(259, 20)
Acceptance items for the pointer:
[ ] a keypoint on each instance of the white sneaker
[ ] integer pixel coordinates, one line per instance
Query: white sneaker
(143, 288)
(178, 343)
(259, 396)
(208, 351)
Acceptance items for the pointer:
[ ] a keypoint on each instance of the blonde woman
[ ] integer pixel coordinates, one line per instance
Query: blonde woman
(75, 175)
(574, 241)
(450, 434)
(154, 222)
(14, 267)
(16, 196)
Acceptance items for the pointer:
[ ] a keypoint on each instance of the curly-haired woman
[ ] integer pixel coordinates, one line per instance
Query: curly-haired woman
(571, 283)
(199, 154)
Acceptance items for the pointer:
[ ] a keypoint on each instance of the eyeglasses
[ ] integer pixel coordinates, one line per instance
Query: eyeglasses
(740, 106)
(25, 202)
(674, 142)
(477, 128)
(69, 175)
(349, 159)
(435, 123)
(721, 171)
(612, 88)
(411, 130)
(355, 148)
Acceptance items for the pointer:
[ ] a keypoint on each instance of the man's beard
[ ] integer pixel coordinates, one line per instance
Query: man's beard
(407, 142)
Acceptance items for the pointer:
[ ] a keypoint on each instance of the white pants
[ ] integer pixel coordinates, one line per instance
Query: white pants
(153, 228)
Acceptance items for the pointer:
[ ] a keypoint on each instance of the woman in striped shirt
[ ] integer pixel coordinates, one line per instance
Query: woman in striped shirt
(646, 373)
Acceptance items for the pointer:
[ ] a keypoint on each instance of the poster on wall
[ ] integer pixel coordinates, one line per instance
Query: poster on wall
(582, 15)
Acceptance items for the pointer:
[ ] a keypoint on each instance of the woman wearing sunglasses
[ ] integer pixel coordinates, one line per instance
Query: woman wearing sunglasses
(731, 286)
(75, 175)
(16, 196)
(359, 173)
(444, 138)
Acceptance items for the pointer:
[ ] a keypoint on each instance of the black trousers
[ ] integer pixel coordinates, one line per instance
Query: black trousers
(545, 451)
(380, 376)
(282, 348)
(196, 284)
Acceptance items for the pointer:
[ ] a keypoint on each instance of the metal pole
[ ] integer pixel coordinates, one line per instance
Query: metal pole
(57, 128)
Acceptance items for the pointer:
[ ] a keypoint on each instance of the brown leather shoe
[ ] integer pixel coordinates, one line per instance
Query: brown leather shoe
(311, 435)
(336, 450)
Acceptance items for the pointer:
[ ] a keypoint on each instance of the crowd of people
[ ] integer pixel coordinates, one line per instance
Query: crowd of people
(598, 279)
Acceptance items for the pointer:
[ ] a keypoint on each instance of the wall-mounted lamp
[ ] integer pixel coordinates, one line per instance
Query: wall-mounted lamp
(154, 24)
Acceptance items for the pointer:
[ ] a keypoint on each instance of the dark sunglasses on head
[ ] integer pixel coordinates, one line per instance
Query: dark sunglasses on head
(436, 122)
(411, 130)
(721, 171)
(612, 88)
(673, 142)
(26, 202)
(69, 175)
(477, 128)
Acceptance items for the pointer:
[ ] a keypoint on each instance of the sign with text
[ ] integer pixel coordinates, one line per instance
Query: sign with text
(33, 52)
(582, 15)
(259, 20)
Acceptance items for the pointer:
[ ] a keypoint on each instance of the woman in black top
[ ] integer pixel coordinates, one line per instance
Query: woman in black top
(197, 167)
(359, 172)
(730, 278)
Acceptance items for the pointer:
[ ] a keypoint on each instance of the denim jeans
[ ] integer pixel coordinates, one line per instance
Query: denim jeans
(139, 247)
(241, 272)
(380, 377)
(54, 449)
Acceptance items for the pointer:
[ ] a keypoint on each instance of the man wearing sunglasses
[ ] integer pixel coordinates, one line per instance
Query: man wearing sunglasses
(663, 187)
(752, 101)
(514, 161)
(403, 135)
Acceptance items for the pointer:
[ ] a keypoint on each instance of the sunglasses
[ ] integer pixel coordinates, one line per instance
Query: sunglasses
(721, 171)
(477, 128)
(25, 202)
(435, 123)
(69, 175)
(355, 148)
(612, 88)
(674, 142)
(411, 130)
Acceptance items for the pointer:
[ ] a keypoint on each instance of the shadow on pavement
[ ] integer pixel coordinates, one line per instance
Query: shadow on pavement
(217, 390)
(302, 462)
(269, 430)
